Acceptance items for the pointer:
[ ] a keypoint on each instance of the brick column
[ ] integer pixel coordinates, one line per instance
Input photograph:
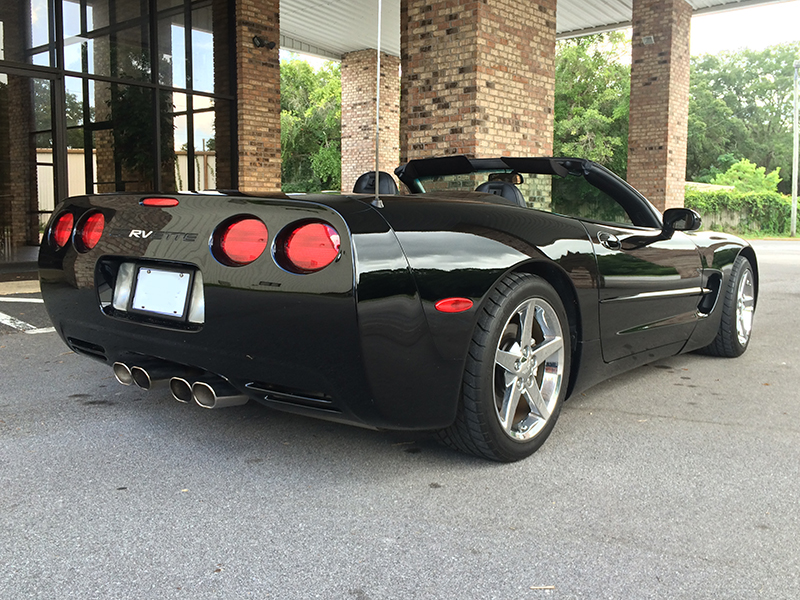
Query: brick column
(478, 77)
(258, 91)
(659, 111)
(358, 114)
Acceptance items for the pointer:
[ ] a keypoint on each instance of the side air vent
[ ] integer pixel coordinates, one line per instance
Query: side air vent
(710, 296)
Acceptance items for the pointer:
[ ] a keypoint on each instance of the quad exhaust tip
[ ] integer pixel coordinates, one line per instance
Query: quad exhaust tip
(149, 376)
(217, 393)
(209, 392)
(181, 389)
(122, 373)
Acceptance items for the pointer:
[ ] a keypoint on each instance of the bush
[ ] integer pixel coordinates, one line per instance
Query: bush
(743, 213)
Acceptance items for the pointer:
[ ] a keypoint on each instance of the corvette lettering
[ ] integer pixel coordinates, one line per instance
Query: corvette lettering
(142, 234)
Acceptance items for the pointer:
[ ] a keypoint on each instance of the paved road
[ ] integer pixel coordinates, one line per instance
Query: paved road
(678, 480)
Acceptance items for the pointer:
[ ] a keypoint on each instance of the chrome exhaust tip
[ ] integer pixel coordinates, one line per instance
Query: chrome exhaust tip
(217, 393)
(181, 389)
(149, 374)
(122, 373)
(141, 378)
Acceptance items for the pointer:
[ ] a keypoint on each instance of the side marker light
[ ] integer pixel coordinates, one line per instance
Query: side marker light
(454, 305)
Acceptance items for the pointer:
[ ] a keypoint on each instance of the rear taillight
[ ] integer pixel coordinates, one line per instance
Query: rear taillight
(240, 241)
(311, 247)
(89, 231)
(62, 229)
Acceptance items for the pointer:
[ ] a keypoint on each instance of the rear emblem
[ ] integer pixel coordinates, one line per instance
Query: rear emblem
(142, 234)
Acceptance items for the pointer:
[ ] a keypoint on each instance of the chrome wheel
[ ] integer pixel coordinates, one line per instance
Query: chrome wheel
(745, 305)
(529, 369)
(516, 372)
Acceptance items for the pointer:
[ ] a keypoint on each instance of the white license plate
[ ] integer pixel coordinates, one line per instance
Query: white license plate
(161, 292)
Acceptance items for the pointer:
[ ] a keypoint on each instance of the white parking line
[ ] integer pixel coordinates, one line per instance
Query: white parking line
(23, 300)
(22, 325)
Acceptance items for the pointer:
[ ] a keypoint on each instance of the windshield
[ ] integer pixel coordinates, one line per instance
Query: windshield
(570, 195)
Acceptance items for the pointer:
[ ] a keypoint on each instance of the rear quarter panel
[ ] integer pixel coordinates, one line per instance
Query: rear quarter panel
(459, 248)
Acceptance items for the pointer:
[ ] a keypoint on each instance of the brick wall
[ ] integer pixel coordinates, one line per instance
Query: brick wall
(659, 111)
(478, 77)
(358, 114)
(259, 96)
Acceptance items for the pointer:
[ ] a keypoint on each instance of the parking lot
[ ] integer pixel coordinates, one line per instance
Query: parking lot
(680, 479)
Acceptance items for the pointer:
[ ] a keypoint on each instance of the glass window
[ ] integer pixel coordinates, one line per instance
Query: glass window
(40, 23)
(74, 50)
(172, 51)
(202, 51)
(71, 10)
(124, 55)
(123, 124)
(107, 13)
(42, 104)
(573, 196)
(165, 4)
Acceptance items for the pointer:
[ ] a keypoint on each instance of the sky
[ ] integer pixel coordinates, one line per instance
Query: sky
(754, 28)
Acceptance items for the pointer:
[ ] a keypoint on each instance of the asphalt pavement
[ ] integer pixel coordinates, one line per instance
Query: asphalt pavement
(678, 480)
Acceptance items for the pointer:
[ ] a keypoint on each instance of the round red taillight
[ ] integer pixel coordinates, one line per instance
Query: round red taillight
(240, 242)
(90, 231)
(62, 229)
(311, 247)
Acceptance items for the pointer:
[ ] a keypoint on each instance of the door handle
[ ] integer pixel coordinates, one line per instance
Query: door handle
(608, 240)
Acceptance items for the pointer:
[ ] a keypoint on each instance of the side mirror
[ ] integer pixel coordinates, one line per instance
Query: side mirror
(681, 219)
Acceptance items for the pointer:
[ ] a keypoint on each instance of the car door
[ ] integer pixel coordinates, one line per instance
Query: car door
(649, 288)
(649, 279)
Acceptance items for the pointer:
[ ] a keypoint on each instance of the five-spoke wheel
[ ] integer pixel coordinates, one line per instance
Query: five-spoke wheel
(529, 369)
(516, 373)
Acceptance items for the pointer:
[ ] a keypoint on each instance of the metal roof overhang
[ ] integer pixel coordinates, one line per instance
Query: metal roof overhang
(331, 28)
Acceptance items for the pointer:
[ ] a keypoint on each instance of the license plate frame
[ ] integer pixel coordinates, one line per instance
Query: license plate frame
(150, 297)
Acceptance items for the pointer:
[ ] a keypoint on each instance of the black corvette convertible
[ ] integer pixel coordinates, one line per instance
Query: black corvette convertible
(472, 305)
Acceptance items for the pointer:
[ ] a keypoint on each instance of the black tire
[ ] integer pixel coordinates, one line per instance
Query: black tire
(502, 366)
(738, 306)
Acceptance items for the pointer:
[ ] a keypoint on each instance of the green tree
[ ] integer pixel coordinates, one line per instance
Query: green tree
(311, 115)
(740, 107)
(746, 176)
(592, 99)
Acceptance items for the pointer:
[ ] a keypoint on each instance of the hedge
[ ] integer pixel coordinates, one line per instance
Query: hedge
(751, 213)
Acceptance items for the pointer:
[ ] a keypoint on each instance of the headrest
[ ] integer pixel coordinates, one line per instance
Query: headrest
(503, 189)
(366, 184)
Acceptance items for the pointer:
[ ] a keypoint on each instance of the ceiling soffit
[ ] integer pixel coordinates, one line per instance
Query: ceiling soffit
(331, 28)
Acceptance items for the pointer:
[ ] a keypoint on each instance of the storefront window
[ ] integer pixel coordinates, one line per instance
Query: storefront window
(96, 112)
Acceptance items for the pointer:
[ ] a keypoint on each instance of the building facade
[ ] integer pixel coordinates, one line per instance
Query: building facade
(184, 95)
(111, 96)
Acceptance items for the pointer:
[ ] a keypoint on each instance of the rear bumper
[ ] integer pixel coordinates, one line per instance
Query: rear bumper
(307, 360)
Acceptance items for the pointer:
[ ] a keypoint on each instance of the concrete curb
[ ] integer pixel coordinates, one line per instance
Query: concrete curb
(19, 287)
